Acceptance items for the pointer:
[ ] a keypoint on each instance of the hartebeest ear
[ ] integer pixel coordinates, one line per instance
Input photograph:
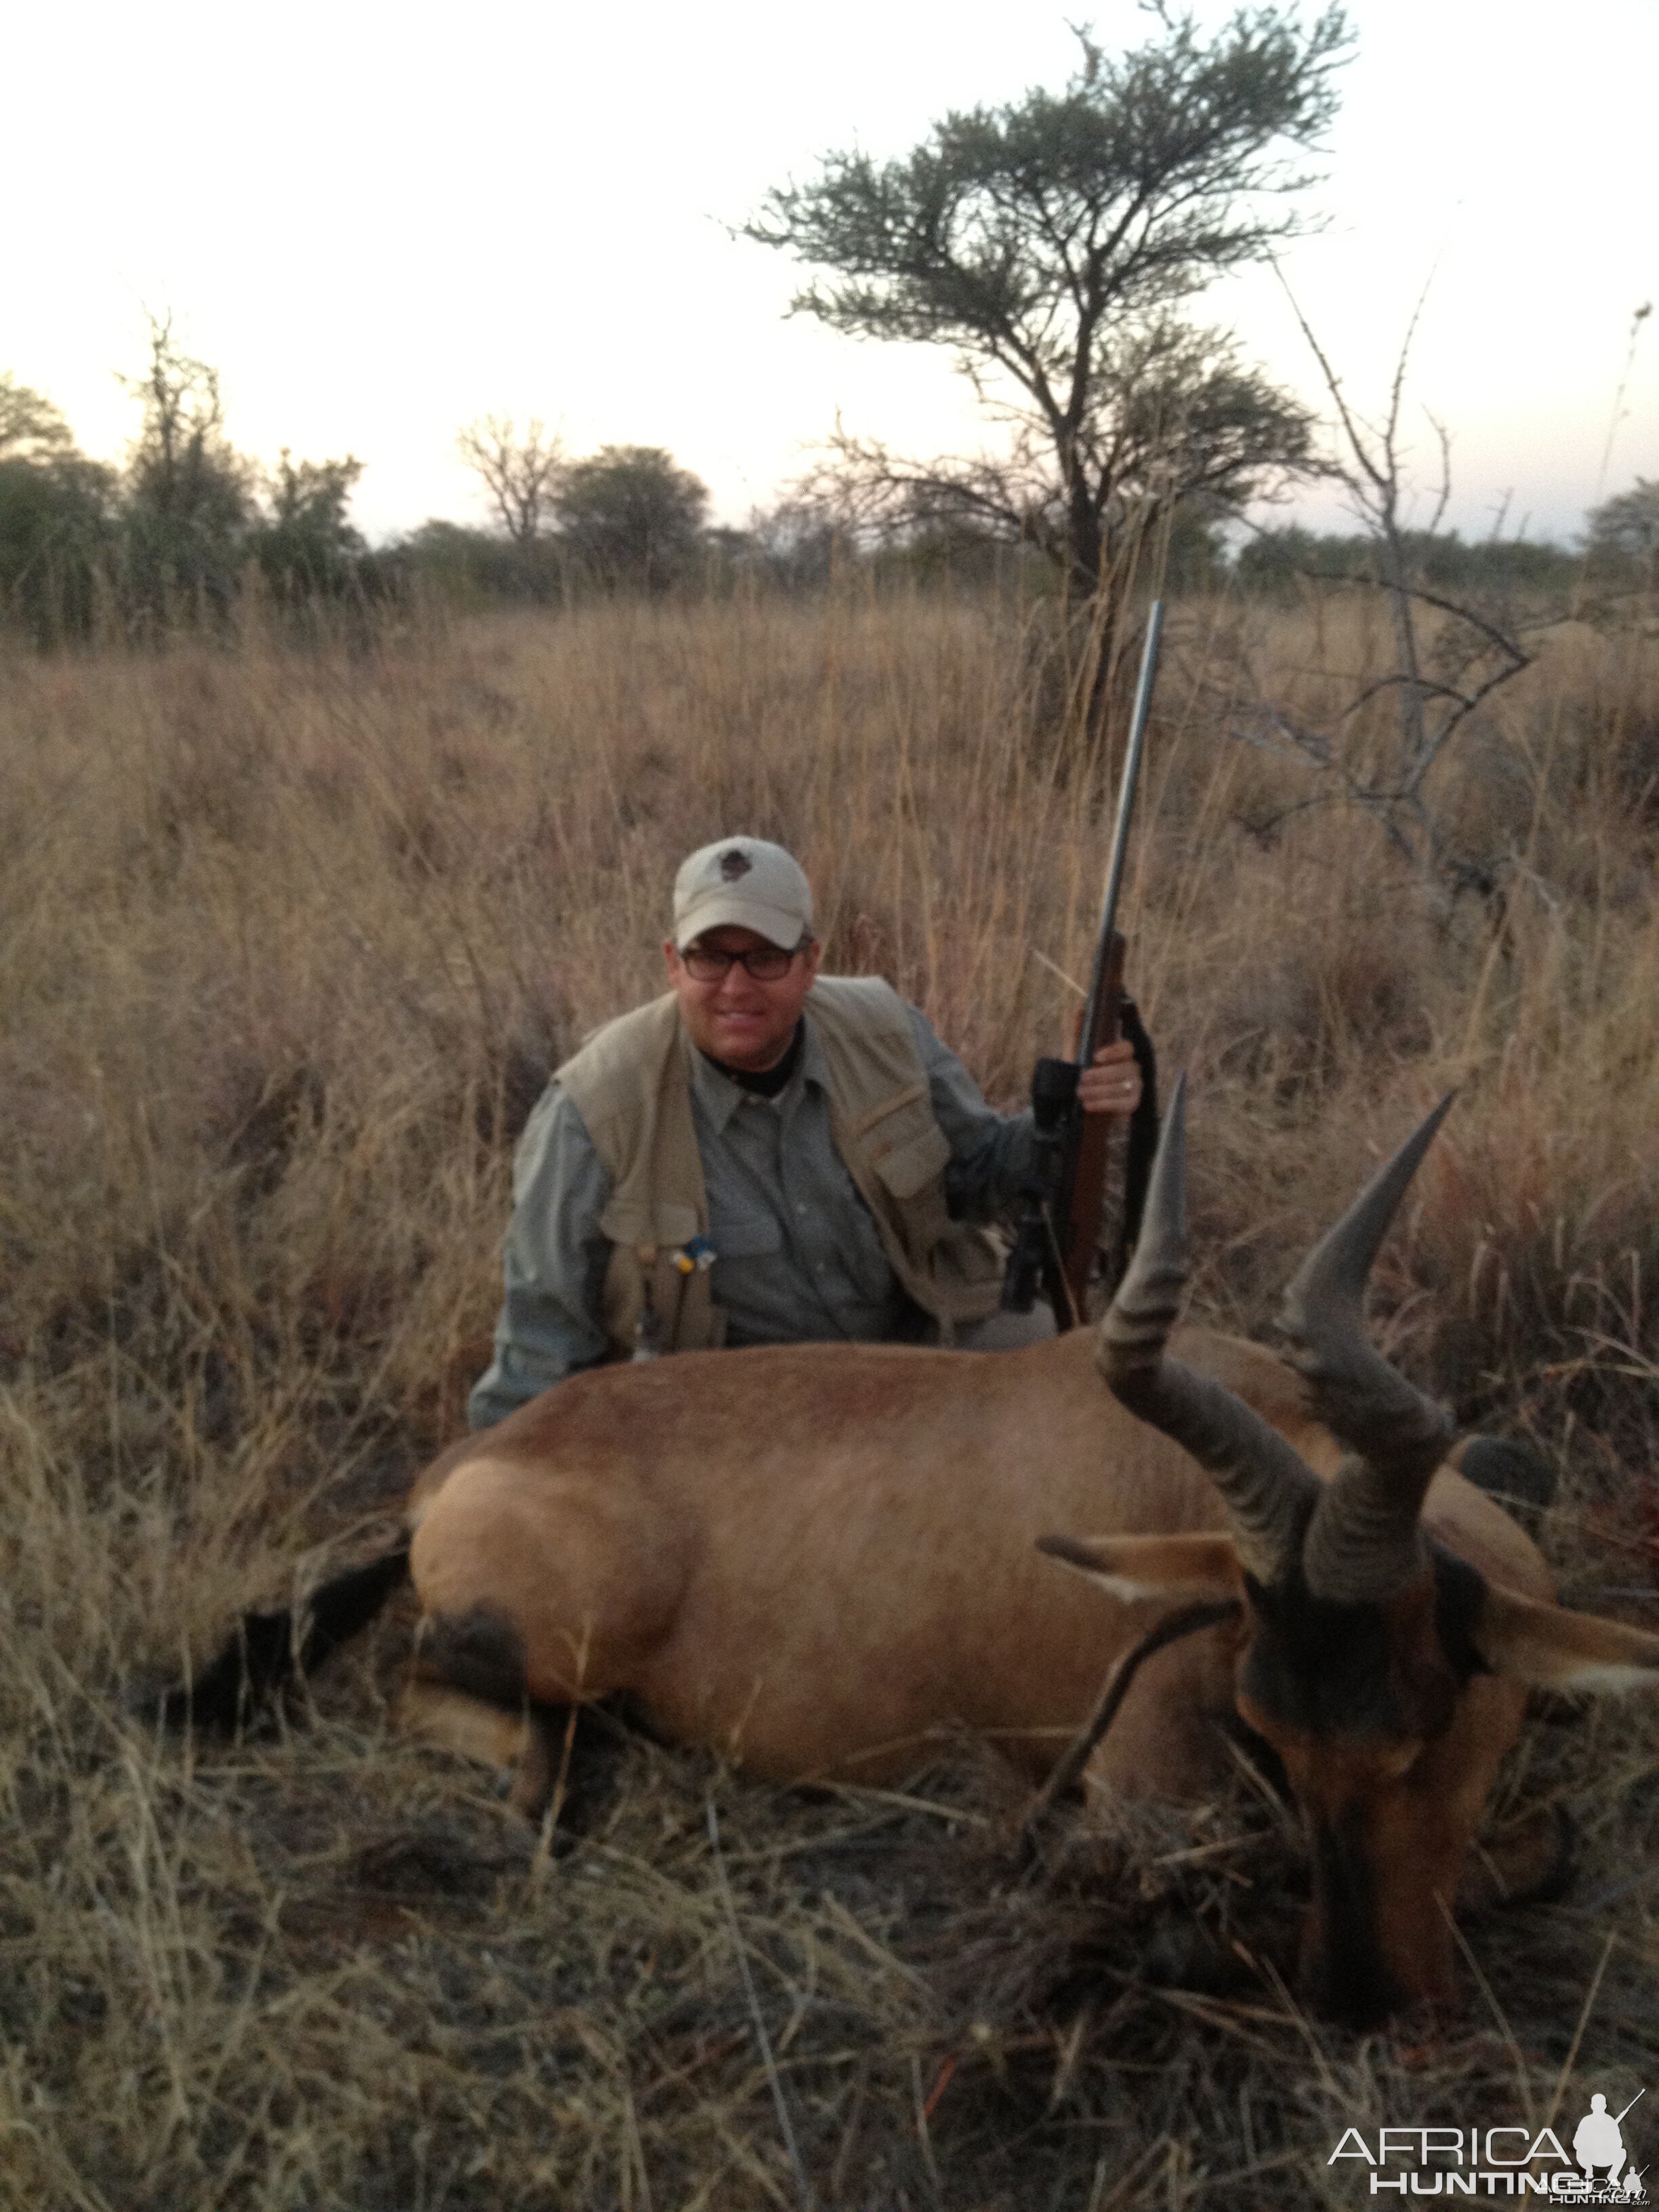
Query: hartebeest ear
(1549, 1648)
(1135, 1567)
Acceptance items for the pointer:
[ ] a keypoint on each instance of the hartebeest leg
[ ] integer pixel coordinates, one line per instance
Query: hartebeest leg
(470, 1692)
(570, 1760)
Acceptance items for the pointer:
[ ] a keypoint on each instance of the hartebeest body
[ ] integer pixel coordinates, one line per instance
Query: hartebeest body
(817, 1558)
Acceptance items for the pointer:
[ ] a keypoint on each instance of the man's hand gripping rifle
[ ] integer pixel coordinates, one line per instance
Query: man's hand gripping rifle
(1058, 1242)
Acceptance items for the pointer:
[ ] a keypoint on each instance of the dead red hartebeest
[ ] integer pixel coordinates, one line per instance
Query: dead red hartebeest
(815, 1558)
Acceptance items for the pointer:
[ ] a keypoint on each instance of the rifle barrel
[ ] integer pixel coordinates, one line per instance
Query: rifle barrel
(1125, 807)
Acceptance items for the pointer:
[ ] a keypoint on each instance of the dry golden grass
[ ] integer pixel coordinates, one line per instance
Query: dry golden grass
(290, 941)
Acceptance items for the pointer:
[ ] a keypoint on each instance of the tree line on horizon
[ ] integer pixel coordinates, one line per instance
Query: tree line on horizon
(186, 525)
(179, 533)
(1060, 247)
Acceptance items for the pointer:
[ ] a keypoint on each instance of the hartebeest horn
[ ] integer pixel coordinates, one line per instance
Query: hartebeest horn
(1363, 1543)
(1269, 1492)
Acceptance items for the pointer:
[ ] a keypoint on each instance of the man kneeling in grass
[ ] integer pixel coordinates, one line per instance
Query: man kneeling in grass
(764, 1155)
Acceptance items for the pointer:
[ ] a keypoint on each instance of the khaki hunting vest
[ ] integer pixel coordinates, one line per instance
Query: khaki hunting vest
(631, 1085)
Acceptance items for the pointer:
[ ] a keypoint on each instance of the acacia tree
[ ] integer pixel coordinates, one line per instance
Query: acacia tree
(1055, 244)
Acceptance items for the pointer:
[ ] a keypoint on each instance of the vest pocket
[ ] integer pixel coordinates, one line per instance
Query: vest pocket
(909, 1095)
(911, 1153)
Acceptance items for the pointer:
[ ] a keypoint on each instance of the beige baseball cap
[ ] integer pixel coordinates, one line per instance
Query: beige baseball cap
(746, 882)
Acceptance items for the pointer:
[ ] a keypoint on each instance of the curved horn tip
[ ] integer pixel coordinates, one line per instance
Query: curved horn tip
(1157, 1270)
(1339, 1264)
(1133, 1330)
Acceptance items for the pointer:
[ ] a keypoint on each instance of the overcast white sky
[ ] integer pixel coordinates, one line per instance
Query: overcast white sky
(379, 222)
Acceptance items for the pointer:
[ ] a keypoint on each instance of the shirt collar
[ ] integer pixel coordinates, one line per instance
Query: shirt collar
(718, 1098)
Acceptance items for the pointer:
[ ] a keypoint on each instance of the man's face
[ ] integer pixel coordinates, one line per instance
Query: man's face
(735, 1017)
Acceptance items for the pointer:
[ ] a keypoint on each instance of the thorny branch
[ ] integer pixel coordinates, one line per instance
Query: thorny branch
(1438, 680)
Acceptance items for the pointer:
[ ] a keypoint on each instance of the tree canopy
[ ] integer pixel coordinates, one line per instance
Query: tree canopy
(190, 494)
(1628, 523)
(57, 518)
(1055, 243)
(31, 428)
(630, 514)
(306, 545)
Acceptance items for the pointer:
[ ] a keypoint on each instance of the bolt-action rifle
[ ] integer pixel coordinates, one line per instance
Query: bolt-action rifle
(1057, 1246)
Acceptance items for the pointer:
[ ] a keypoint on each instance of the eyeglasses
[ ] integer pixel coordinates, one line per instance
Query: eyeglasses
(766, 964)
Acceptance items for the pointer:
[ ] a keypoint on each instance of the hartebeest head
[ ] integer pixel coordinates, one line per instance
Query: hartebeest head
(1370, 1659)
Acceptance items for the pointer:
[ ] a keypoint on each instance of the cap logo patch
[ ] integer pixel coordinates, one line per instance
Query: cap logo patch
(734, 864)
